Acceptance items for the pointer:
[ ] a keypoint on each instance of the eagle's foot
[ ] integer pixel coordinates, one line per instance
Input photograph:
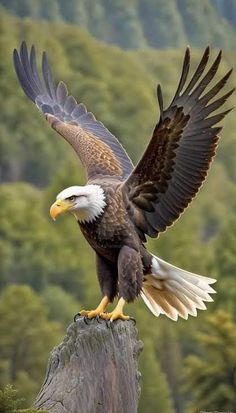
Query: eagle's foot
(87, 313)
(90, 314)
(116, 314)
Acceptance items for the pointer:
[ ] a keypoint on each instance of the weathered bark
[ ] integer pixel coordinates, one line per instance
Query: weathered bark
(94, 370)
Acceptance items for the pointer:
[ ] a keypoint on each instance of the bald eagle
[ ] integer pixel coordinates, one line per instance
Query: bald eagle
(121, 204)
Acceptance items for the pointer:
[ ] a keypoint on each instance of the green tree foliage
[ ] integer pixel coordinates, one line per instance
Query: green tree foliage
(23, 236)
(200, 23)
(9, 401)
(155, 394)
(125, 29)
(162, 23)
(26, 339)
(61, 305)
(134, 24)
(225, 247)
(169, 353)
(49, 10)
(37, 9)
(226, 9)
(210, 376)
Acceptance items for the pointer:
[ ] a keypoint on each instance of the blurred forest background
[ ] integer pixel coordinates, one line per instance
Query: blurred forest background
(112, 54)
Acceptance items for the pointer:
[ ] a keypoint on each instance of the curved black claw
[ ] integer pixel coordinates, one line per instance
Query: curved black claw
(98, 319)
(133, 319)
(76, 316)
(109, 323)
(86, 320)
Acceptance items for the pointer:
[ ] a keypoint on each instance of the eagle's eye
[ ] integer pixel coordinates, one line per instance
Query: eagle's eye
(71, 198)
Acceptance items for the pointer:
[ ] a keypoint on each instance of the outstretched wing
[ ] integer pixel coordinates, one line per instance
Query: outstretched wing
(177, 158)
(99, 150)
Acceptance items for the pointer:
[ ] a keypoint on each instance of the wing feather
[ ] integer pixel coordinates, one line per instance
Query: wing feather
(99, 150)
(178, 156)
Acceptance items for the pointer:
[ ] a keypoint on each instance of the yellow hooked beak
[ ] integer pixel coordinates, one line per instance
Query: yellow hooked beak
(59, 207)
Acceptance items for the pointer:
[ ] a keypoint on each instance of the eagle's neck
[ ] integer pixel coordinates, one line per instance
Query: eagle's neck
(96, 205)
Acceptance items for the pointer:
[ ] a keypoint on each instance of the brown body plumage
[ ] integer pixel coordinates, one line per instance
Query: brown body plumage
(121, 205)
(114, 238)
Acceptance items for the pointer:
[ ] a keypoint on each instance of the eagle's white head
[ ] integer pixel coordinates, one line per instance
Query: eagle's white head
(86, 203)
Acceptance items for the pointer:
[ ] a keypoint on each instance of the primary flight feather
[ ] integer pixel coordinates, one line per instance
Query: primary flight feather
(121, 204)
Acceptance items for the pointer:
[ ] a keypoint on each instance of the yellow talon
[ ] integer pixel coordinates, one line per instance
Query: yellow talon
(117, 313)
(85, 313)
(114, 315)
(101, 308)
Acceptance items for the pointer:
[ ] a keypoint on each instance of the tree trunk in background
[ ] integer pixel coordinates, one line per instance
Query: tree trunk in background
(94, 370)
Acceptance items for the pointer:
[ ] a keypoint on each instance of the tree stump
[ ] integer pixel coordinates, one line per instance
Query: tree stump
(94, 370)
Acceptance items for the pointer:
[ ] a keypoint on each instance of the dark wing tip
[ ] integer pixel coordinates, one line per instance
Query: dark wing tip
(227, 76)
(160, 99)
(187, 52)
(15, 59)
(44, 57)
(219, 56)
(32, 50)
(186, 61)
(24, 52)
(15, 56)
(229, 73)
(207, 50)
(229, 110)
(213, 69)
(28, 76)
(231, 92)
(21, 61)
(184, 75)
(23, 45)
(205, 56)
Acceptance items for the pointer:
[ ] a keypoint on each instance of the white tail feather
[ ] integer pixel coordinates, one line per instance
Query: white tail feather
(175, 292)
